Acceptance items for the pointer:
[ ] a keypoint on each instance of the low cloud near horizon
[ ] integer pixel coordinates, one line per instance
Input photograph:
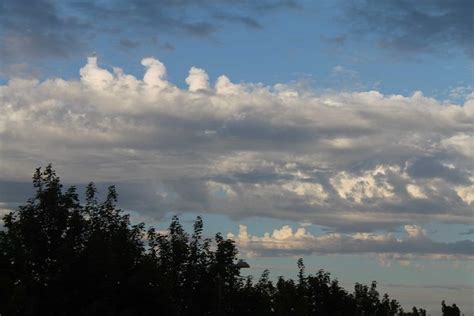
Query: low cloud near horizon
(352, 162)
(288, 242)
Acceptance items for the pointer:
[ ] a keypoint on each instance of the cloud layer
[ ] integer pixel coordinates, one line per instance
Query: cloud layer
(285, 241)
(349, 161)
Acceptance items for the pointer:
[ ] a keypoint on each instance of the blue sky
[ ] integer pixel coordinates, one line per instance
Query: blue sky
(297, 41)
(344, 130)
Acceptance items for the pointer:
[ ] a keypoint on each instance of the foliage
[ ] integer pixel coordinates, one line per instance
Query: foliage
(59, 257)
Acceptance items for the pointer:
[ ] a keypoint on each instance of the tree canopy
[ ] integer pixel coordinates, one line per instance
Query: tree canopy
(61, 257)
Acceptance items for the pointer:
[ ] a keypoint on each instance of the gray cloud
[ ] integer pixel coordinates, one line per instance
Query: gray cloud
(424, 167)
(409, 27)
(127, 43)
(38, 29)
(350, 162)
(31, 29)
(244, 20)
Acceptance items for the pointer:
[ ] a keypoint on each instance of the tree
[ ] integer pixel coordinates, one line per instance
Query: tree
(39, 243)
(450, 310)
(389, 307)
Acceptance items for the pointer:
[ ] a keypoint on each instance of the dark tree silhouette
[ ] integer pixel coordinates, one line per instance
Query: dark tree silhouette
(59, 257)
(450, 310)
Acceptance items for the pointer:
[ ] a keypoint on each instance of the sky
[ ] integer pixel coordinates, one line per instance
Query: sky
(337, 131)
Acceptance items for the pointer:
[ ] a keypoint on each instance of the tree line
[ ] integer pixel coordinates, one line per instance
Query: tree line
(59, 256)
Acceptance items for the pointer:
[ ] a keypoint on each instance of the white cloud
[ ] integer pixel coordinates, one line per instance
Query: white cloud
(359, 188)
(415, 191)
(155, 75)
(197, 79)
(415, 231)
(313, 191)
(462, 143)
(466, 193)
(351, 161)
(224, 86)
(286, 241)
(94, 76)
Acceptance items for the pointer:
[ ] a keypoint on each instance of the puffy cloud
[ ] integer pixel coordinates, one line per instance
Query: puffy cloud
(363, 187)
(285, 241)
(415, 191)
(354, 162)
(155, 74)
(197, 79)
(94, 76)
(225, 86)
(463, 143)
(314, 191)
(466, 193)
